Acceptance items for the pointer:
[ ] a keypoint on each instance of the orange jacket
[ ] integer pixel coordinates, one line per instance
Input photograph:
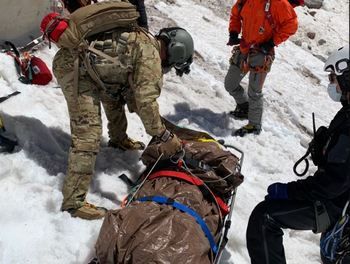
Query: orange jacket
(256, 27)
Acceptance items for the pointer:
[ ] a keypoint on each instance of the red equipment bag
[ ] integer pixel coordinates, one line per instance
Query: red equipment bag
(40, 73)
(31, 69)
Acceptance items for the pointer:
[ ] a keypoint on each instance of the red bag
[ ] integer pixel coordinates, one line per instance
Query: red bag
(40, 73)
(31, 69)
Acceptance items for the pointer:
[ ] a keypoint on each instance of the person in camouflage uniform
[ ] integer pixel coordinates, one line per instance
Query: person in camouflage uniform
(136, 80)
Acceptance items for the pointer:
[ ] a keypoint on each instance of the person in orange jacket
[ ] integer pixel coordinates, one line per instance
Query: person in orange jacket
(264, 25)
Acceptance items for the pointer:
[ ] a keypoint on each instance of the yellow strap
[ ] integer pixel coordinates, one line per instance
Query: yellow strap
(207, 140)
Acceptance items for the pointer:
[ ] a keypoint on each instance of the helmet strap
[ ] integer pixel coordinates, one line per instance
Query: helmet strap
(344, 81)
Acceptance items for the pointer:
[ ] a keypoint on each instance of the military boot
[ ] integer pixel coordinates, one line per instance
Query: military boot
(88, 211)
(127, 144)
(247, 129)
(241, 111)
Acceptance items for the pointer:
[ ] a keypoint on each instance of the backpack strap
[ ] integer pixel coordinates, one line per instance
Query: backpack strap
(90, 50)
(15, 55)
(22, 65)
(13, 47)
(240, 5)
(268, 15)
(89, 68)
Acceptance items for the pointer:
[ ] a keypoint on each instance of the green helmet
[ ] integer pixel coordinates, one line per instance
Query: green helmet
(180, 48)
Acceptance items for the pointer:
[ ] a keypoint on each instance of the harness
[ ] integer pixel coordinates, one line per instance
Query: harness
(268, 15)
(92, 52)
(335, 244)
(253, 47)
(265, 67)
(91, 55)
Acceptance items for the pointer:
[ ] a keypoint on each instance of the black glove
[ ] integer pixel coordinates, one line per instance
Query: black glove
(183, 68)
(233, 40)
(267, 46)
(317, 145)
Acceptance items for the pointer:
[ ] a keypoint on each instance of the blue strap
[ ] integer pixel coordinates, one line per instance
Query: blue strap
(185, 209)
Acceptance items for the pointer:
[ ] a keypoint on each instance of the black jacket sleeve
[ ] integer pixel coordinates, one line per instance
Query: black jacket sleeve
(332, 179)
(140, 7)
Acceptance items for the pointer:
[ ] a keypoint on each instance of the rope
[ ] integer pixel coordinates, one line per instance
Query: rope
(144, 180)
(303, 158)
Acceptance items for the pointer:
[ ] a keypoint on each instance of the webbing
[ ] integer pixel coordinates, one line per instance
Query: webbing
(185, 209)
(193, 180)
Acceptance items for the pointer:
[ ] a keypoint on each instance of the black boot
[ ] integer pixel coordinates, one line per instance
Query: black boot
(247, 129)
(241, 111)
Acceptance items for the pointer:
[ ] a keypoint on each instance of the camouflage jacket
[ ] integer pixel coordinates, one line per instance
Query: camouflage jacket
(136, 75)
(147, 80)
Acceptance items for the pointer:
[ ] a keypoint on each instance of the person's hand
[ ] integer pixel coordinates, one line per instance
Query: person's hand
(167, 144)
(233, 39)
(277, 191)
(267, 46)
(170, 147)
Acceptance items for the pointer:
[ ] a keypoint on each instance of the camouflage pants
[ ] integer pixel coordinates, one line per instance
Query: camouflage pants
(254, 95)
(86, 127)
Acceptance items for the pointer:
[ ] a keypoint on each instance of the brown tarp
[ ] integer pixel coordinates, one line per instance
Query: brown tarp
(148, 232)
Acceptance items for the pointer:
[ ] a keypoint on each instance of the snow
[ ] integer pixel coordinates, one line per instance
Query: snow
(32, 227)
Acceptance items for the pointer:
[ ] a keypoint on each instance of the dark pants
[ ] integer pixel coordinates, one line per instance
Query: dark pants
(264, 232)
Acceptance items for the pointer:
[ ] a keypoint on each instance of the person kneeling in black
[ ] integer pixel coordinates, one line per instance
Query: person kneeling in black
(316, 202)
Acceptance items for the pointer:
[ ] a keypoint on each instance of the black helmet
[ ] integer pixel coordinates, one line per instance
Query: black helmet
(180, 48)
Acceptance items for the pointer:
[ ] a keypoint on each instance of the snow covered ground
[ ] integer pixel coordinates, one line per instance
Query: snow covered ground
(32, 227)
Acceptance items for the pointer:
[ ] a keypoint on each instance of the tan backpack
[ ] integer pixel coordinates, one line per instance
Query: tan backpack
(85, 23)
(100, 17)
